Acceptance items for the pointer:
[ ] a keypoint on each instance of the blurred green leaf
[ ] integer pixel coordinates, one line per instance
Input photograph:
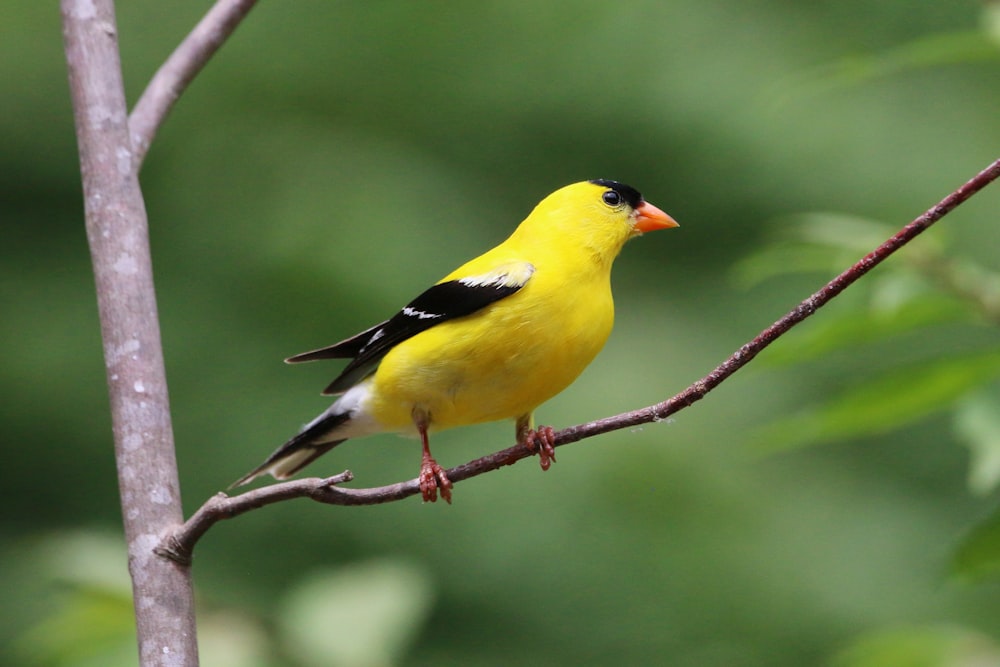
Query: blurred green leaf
(841, 230)
(848, 329)
(89, 627)
(920, 646)
(230, 638)
(990, 20)
(977, 423)
(978, 556)
(898, 398)
(937, 49)
(890, 291)
(362, 615)
(808, 244)
(93, 623)
(784, 258)
(87, 559)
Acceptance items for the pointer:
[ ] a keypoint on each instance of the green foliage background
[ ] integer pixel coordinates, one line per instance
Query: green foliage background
(335, 158)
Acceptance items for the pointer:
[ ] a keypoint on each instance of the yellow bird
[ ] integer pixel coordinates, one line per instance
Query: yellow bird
(494, 339)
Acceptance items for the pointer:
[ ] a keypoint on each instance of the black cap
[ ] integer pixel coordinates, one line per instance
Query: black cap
(628, 193)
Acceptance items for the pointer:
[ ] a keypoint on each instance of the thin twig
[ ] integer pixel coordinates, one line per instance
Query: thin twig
(181, 67)
(177, 546)
(179, 543)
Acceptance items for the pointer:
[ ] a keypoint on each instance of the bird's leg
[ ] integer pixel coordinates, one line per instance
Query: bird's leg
(541, 440)
(432, 477)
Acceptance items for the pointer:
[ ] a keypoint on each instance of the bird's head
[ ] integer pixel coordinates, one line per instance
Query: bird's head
(596, 216)
(625, 201)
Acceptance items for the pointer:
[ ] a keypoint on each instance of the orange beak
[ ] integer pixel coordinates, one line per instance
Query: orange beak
(648, 218)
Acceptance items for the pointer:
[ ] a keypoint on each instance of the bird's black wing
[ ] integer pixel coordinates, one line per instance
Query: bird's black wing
(442, 302)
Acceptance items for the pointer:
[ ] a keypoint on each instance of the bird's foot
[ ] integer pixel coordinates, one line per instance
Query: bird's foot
(433, 479)
(542, 440)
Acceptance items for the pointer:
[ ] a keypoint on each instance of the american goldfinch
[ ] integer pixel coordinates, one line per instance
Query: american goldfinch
(494, 339)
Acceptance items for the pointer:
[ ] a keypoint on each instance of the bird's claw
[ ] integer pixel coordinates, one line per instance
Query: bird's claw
(433, 479)
(543, 441)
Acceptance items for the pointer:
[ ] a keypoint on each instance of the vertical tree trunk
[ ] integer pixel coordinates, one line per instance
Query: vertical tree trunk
(119, 244)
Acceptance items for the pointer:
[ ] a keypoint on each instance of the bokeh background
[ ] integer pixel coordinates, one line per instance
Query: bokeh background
(336, 157)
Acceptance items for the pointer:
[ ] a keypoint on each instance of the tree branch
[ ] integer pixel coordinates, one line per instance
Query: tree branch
(180, 68)
(179, 543)
(119, 246)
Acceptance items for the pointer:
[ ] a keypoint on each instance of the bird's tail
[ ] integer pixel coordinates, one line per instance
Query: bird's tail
(300, 451)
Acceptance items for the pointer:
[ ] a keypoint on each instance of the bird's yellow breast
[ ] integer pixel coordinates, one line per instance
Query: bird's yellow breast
(501, 362)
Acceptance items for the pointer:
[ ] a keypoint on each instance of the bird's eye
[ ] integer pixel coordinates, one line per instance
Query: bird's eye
(612, 198)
